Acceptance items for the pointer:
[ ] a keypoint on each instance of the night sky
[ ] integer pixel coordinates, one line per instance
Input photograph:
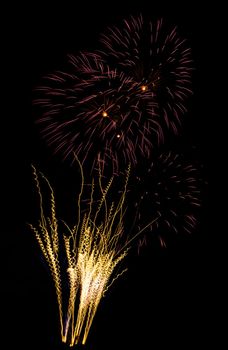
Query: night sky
(165, 299)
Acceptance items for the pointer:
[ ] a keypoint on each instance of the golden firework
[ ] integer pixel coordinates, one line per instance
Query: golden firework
(93, 248)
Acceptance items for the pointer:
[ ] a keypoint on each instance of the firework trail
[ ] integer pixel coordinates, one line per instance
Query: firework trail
(115, 105)
(171, 187)
(93, 250)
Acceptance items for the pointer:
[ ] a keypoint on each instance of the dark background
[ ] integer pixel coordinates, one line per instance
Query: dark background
(169, 298)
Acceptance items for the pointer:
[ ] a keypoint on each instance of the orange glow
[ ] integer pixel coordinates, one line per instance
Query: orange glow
(144, 87)
(118, 135)
(104, 114)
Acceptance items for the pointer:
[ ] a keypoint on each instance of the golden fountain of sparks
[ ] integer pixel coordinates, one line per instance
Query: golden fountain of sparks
(93, 249)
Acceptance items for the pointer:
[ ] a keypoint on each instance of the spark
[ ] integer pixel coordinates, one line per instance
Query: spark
(104, 114)
(144, 87)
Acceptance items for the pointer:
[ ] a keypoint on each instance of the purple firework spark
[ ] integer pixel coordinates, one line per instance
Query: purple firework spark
(156, 59)
(171, 188)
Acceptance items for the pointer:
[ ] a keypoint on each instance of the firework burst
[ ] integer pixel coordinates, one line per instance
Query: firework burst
(111, 113)
(171, 187)
(92, 111)
(116, 104)
(159, 63)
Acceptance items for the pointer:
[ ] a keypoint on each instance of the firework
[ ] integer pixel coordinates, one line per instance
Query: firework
(92, 111)
(115, 105)
(158, 61)
(93, 248)
(171, 188)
